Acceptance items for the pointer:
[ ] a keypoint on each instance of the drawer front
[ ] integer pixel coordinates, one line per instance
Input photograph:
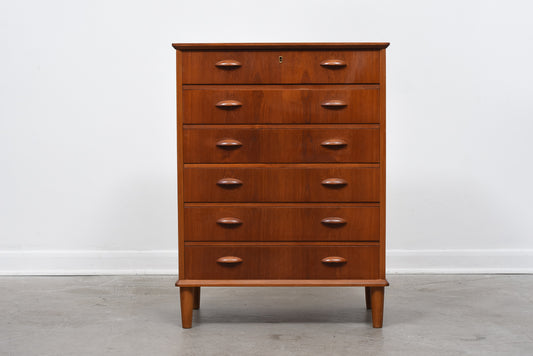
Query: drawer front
(280, 145)
(275, 223)
(281, 184)
(278, 105)
(278, 67)
(281, 262)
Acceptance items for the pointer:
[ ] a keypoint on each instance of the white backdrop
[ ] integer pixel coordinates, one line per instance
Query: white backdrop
(87, 126)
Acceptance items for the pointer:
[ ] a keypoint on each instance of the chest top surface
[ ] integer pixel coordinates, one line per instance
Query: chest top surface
(283, 45)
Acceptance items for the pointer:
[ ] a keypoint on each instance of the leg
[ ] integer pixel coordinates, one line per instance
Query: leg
(367, 298)
(196, 294)
(377, 294)
(187, 299)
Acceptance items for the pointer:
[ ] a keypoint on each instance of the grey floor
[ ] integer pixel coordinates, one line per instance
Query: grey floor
(139, 315)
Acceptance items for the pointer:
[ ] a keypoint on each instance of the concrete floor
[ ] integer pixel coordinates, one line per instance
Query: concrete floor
(139, 315)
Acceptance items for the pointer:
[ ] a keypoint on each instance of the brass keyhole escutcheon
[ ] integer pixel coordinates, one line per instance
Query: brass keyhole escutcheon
(281, 59)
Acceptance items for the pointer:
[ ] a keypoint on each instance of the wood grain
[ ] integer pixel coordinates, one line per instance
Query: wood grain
(281, 184)
(280, 104)
(377, 296)
(279, 145)
(229, 260)
(281, 282)
(275, 223)
(228, 64)
(281, 204)
(281, 243)
(281, 167)
(333, 63)
(196, 297)
(336, 260)
(264, 67)
(285, 45)
(179, 144)
(187, 303)
(281, 262)
(368, 298)
(383, 173)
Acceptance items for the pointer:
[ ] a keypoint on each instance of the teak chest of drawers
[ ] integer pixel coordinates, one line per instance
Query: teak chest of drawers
(281, 167)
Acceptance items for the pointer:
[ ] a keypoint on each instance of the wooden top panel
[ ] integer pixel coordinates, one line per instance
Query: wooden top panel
(287, 45)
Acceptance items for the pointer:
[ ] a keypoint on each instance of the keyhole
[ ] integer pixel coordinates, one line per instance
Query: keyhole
(281, 59)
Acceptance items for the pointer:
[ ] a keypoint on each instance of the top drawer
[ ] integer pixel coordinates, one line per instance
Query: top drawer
(280, 67)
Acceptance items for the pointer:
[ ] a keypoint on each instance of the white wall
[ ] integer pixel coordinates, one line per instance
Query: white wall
(87, 131)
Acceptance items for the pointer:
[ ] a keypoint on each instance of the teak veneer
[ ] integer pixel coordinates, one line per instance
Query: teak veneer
(281, 167)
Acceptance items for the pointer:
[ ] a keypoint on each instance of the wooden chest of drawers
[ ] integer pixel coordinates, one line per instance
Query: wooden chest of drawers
(281, 167)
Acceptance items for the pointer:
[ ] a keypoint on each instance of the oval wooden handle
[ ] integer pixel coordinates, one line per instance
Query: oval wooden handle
(229, 260)
(229, 221)
(334, 143)
(333, 220)
(333, 63)
(228, 64)
(334, 259)
(228, 104)
(229, 182)
(334, 182)
(334, 103)
(229, 143)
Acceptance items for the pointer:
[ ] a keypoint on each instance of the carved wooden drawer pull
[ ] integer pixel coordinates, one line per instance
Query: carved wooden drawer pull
(228, 64)
(334, 104)
(229, 182)
(229, 221)
(334, 182)
(334, 143)
(228, 104)
(334, 260)
(333, 221)
(229, 143)
(229, 260)
(333, 63)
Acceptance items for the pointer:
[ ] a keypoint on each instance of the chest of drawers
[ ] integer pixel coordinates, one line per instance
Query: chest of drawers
(281, 167)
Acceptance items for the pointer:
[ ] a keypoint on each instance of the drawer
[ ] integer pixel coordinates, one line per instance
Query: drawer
(278, 67)
(208, 144)
(278, 223)
(281, 262)
(281, 183)
(281, 104)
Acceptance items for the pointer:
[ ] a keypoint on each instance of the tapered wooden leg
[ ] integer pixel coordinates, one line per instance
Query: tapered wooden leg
(376, 296)
(187, 300)
(368, 300)
(196, 294)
